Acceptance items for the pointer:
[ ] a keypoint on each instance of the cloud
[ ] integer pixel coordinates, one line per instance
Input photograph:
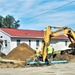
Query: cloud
(24, 9)
(54, 19)
(27, 7)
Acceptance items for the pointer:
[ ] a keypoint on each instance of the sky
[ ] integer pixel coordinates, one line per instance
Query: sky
(38, 14)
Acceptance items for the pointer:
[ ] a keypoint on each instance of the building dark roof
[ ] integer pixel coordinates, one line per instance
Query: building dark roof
(26, 33)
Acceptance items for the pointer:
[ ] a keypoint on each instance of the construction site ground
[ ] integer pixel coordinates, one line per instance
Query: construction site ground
(56, 69)
(23, 53)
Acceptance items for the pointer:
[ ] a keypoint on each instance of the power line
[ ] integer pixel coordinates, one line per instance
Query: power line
(51, 10)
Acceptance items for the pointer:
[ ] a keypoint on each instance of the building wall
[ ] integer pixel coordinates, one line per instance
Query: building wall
(5, 47)
(26, 40)
(58, 44)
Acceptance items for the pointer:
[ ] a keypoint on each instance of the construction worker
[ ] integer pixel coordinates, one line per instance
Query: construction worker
(49, 54)
(37, 55)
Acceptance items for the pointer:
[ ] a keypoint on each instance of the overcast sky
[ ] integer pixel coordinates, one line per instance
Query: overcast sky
(27, 11)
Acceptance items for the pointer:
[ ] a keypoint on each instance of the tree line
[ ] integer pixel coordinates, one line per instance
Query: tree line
(9, 22)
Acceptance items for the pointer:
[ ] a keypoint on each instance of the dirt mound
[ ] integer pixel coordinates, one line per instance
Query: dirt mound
(21, 52)
(66, 56)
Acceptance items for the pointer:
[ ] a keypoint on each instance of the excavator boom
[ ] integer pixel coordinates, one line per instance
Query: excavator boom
(46, 41)
(48, 34)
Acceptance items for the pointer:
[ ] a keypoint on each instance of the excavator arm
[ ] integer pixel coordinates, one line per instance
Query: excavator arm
(46, 41)
(67, 31)
(48, 34)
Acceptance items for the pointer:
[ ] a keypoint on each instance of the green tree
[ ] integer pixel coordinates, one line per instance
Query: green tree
(10, 22)
(16, 24)
(1, 21)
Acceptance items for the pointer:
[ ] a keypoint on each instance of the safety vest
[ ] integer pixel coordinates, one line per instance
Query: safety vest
(49, 50)
(37, 53)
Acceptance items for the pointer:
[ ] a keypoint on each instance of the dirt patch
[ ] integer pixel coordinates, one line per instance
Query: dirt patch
(66, 56)
(25, 53)
(21, 52)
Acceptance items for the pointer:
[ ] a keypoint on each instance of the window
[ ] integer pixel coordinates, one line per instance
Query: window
(37, 42)
(29, 42)
(18, 42)
(5, 42)
(65, 43)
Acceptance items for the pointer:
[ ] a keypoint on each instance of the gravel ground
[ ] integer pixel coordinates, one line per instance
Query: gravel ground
(56, 69)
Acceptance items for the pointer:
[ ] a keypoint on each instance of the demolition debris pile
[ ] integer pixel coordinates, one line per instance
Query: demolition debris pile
(21, 52)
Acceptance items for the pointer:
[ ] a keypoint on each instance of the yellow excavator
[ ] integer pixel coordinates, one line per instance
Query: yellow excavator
(48, 34)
